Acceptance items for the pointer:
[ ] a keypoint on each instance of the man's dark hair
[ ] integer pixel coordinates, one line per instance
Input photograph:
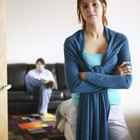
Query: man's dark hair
(41, 60)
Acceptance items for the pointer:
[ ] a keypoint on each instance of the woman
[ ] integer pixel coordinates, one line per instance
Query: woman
(97, 64)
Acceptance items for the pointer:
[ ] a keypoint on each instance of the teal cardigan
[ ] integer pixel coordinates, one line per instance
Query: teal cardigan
(93, 110)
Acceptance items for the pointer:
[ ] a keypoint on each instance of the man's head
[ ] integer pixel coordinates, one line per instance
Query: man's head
(40, 64)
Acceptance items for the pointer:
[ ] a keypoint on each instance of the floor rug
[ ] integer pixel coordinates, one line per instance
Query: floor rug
(33, 127)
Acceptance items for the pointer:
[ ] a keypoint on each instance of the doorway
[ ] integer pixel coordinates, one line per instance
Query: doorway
(3, 76)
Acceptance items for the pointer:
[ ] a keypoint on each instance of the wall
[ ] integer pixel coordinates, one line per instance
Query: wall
(38, 28)
(123, 16)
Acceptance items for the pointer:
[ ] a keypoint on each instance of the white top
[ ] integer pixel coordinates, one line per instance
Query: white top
(45, 76)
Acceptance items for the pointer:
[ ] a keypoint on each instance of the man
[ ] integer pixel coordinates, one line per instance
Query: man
(40, 81)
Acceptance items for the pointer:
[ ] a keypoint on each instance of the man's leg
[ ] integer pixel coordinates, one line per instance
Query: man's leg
(32, 84)
(44, 98)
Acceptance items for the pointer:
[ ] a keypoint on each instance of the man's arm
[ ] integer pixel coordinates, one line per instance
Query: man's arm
(49, 80)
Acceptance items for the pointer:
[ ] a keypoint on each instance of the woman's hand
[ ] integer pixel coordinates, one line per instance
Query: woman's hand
(124, 69)
(83, 75)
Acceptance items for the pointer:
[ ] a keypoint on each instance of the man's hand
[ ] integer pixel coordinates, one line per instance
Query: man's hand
(49, 84)
(124, 69)
(83, 75)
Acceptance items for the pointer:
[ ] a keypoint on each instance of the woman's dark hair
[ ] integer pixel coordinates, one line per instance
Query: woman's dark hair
(81, 19)
(41, 60)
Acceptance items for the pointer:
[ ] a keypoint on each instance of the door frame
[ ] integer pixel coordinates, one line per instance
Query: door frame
(3, 74)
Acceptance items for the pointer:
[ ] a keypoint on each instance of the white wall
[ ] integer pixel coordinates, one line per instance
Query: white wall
(38, 28)
(124, 17)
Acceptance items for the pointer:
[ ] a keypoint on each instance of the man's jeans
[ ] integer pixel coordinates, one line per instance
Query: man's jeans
(35, 86)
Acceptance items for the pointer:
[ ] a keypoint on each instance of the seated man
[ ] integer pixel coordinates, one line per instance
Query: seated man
(40, 81)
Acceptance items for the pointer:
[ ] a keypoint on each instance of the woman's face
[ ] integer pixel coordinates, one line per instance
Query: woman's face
(91, 10)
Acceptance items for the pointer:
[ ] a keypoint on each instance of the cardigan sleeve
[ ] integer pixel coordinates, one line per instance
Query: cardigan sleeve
(73, 81)
(113, 81)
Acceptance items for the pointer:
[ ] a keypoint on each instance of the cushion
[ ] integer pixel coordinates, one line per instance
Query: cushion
(60, 76)
(16, 74)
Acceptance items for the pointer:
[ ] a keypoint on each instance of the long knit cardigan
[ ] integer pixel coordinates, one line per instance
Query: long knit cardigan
(93, 109)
